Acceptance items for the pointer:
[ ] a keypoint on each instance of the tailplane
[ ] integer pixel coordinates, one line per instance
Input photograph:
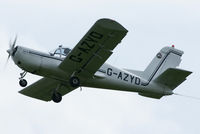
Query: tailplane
(172, 77)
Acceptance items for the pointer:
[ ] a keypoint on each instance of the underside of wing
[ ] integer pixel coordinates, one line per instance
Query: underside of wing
(94, 48)
(43, 89)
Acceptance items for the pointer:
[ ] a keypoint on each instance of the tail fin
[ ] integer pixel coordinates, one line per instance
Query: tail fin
(168, 57)
(162, 70)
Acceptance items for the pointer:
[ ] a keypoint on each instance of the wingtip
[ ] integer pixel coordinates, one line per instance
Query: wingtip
(111, 24)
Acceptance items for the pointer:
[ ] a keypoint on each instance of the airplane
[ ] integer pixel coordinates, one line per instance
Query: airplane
(65, 69)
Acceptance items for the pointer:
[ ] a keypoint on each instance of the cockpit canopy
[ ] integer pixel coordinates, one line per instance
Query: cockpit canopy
(60, 52)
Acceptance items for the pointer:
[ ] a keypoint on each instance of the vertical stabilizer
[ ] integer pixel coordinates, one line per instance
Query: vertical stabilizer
(168, 57)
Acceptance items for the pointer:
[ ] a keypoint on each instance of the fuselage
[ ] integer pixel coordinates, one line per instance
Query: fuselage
(107, 76)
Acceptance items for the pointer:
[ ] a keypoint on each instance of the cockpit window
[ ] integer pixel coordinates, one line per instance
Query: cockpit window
(66, 51)
(57, 51)
(60, 52)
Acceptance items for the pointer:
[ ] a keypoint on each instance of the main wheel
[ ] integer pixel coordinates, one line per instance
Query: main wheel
(22, 82)
(56, 97)
(74, 81)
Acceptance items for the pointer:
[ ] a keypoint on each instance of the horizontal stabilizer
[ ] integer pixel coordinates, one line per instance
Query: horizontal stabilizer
(172, 77)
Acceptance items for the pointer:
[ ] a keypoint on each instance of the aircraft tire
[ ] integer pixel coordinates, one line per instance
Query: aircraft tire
(74, 81)
(56, 97)
(23, 83)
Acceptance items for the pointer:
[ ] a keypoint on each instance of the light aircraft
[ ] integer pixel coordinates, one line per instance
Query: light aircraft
(84, 66)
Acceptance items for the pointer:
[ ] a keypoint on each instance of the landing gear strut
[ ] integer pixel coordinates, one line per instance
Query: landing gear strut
(74, 81)
(22, 82)
(56, 96)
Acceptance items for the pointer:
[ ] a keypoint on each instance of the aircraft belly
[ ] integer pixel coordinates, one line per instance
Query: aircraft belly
(152, 91)
(111, 84)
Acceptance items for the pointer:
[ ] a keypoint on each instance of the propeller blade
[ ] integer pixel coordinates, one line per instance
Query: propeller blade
(7, 61)
(11, 49)
(10, 44)
(13, 45)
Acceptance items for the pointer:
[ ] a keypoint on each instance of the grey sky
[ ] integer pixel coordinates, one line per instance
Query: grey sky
(152, 24)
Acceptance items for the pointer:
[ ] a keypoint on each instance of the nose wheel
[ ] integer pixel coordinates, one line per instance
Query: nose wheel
(74, 81)
(23, 82)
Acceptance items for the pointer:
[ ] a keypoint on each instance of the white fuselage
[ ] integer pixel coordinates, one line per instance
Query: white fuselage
(107, 76)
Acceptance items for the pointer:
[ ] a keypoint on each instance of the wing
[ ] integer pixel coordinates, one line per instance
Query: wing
(43, 89)
(172, 77)
(94, 48)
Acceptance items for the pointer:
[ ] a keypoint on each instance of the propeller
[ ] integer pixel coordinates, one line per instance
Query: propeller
(11, 48)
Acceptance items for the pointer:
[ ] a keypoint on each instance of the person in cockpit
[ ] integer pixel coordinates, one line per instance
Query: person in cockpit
(60, 52)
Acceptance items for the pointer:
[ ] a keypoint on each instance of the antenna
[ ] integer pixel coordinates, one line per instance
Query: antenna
(191, 97)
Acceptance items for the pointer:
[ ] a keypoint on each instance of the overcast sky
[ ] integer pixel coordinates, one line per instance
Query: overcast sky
(152, 24)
